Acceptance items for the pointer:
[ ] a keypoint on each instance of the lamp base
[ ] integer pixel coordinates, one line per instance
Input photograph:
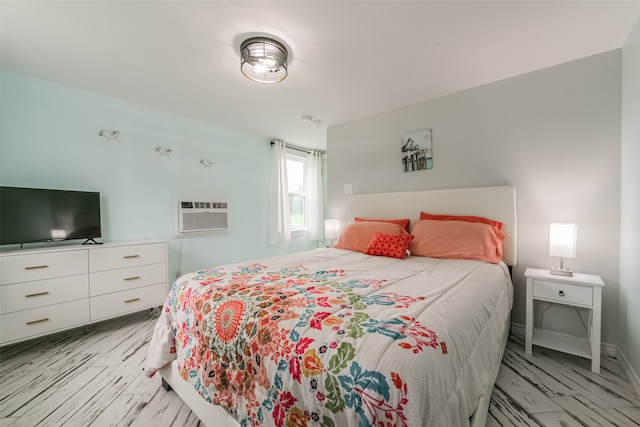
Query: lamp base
(562, 272)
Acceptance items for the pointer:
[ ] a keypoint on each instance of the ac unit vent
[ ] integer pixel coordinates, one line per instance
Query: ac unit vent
(202, 216)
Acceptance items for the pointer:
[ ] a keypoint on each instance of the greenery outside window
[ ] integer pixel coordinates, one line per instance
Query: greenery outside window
(296, 171)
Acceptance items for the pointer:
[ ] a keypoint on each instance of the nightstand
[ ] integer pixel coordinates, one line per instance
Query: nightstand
(581, 290)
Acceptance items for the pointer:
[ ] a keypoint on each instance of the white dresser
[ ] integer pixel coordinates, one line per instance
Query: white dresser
(49, 290)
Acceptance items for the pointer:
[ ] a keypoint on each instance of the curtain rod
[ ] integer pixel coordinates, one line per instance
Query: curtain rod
(304, 150)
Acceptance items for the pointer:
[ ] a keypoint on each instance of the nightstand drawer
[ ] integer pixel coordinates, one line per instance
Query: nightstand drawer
(563, 293)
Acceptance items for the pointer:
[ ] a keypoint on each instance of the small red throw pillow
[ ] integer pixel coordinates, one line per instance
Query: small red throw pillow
(357, 236)
(391, 245)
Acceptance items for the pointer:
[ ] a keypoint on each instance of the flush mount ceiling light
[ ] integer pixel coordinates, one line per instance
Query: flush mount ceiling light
(263, 60)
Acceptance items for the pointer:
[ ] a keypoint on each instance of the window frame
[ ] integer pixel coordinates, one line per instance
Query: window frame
(292, 156)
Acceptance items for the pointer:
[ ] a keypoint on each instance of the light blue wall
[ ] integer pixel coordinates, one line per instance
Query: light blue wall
(630, 204)
(49, 139)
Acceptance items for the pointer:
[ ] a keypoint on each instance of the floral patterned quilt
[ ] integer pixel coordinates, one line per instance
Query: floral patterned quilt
(337, 338)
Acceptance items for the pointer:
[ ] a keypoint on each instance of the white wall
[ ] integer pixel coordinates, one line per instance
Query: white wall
(629, 339)
(553, 133)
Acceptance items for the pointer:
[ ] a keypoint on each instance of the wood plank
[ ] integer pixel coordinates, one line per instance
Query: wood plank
(626, 416)
(561, 374)
(585, 412)
(532, 368)
(166, 408)
(529, 397)
(73, 378)
(558, 419)
(505, 411)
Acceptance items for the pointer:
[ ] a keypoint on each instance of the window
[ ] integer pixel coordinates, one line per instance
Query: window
(296, 181)
(296, 166)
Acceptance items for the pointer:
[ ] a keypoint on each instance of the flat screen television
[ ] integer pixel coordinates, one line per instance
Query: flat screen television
(30, 215)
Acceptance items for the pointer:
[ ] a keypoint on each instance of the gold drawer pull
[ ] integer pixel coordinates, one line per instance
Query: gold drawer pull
(37, 295)
(132, 278)
(33, 322)
(132, 300)
(131, 256)
(35, 267)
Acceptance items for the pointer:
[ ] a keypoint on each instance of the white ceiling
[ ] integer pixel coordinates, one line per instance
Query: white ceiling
(349, 59)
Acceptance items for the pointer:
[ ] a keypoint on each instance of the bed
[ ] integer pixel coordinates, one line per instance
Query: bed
(338, 336)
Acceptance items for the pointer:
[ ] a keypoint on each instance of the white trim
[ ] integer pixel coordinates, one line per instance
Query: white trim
(299, 232)
(518, 329)
(633, 376)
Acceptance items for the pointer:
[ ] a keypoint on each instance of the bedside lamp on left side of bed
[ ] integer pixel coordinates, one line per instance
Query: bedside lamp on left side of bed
(331, 231)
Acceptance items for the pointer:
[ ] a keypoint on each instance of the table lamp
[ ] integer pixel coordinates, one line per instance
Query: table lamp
(331, 230)
(562, 243)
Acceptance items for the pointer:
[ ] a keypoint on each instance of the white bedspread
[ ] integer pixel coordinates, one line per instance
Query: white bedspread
(359, 340)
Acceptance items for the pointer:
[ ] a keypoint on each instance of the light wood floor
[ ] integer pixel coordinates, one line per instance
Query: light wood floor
(77, 379)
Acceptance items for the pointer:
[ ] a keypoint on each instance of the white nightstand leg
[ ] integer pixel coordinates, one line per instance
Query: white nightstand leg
(529, 319)
(595, 330)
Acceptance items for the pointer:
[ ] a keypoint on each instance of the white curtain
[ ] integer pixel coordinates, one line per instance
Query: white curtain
(279, 215)
(315, 205)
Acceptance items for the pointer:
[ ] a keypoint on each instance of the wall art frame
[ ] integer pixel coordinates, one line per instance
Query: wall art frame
(416, 150)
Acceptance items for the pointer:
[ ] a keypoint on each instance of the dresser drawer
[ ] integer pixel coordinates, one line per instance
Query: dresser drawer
(563, 293)
(39, 266)
(115, 304)
(43, 320)
(126, 256)
(104, 282)
(24, 296)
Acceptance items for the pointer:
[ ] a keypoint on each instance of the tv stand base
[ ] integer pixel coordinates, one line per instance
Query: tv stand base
(90, 241)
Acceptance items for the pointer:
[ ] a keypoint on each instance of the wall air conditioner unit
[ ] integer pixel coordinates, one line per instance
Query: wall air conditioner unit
(202, 216)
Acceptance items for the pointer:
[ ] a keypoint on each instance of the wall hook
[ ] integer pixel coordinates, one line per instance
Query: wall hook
(163, 151)
(110, 135)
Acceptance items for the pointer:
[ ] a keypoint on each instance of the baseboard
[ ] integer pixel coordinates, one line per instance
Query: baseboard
(633, 376)
(610, 350)
(518, 329)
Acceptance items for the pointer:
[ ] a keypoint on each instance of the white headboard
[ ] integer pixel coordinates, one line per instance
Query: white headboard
(498, 203)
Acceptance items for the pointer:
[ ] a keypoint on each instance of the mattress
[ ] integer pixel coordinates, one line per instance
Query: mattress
(335, 337)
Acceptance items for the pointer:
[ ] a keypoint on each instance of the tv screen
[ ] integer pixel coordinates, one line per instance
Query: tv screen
(40, 215)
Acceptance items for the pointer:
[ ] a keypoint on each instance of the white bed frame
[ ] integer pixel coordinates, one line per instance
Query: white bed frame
(497, 203)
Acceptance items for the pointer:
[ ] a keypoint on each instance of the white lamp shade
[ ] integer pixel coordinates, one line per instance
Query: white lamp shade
(562, 240)
(331, 229)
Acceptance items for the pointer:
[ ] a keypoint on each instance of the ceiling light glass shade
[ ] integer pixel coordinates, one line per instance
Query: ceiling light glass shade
(263, 60)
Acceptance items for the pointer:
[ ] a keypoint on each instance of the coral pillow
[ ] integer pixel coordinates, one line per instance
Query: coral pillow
(391, 245)
(457, 240)
(468, 218)
(402, 222)
(357, 236)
